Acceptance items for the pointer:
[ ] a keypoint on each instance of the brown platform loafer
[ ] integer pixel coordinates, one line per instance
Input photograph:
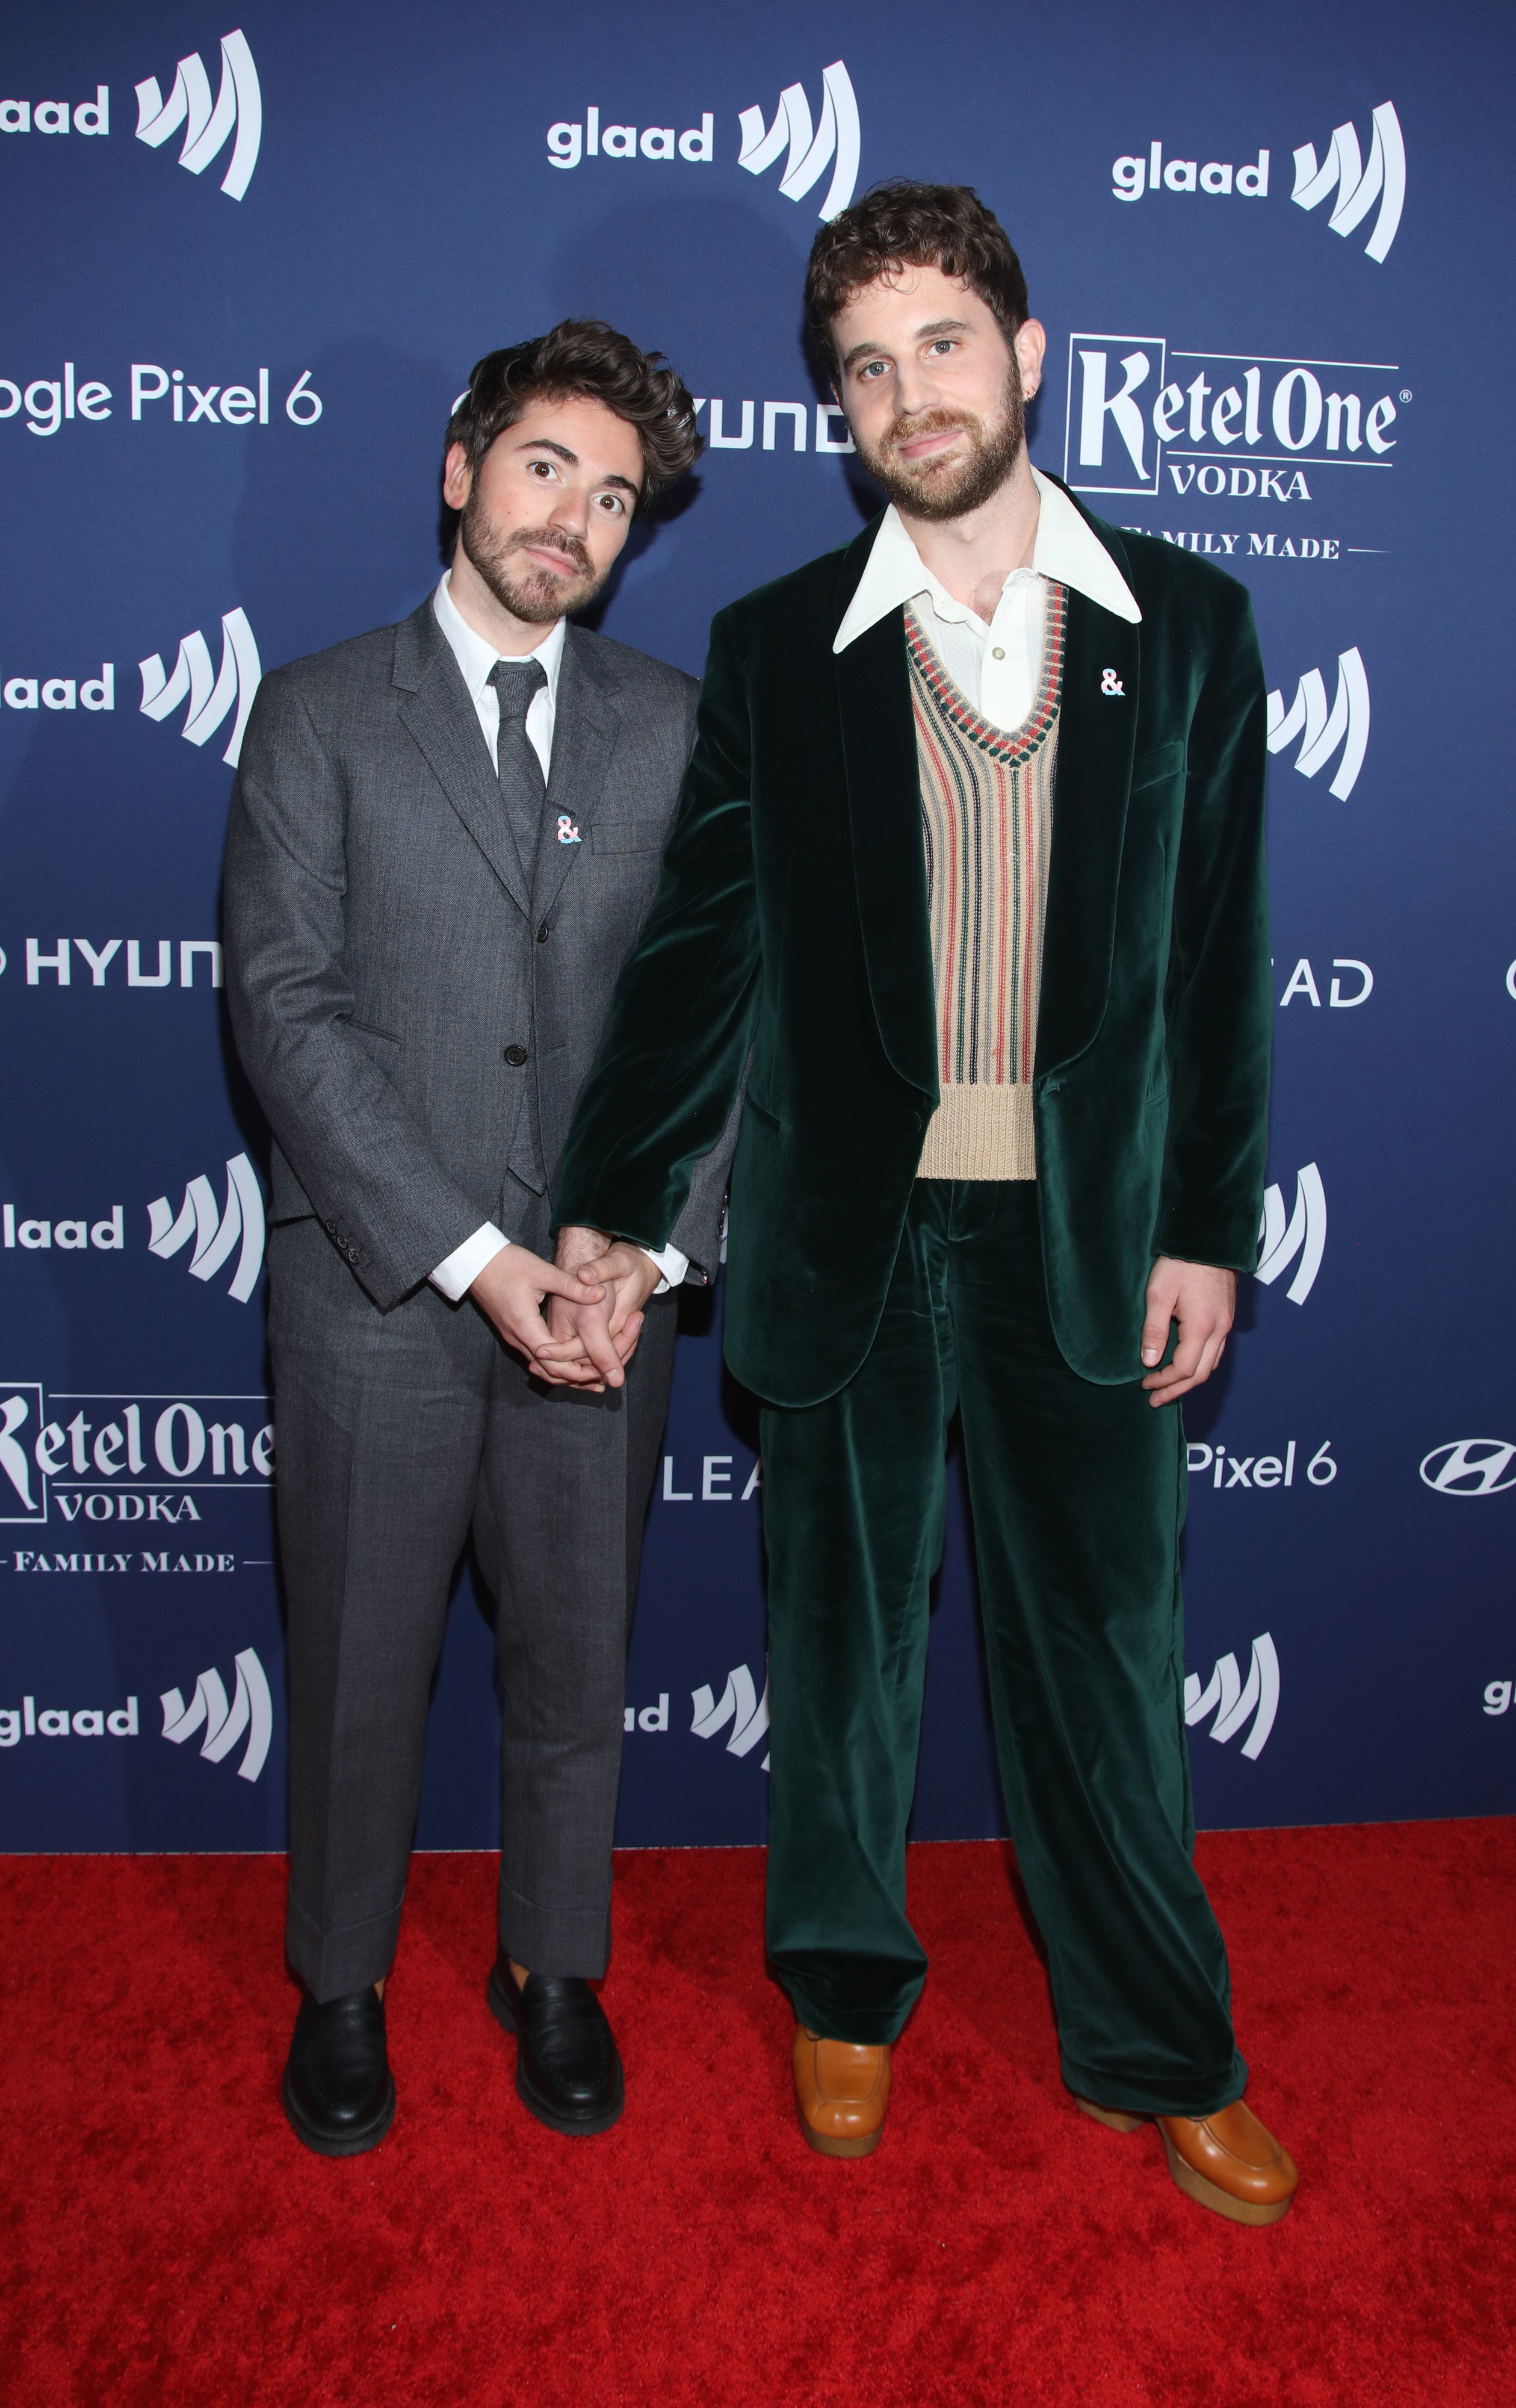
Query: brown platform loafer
(1230, 2164)
(841, 2092)
(1227, 2161)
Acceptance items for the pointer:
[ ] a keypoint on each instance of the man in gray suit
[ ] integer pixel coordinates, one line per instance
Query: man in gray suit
(443, 840)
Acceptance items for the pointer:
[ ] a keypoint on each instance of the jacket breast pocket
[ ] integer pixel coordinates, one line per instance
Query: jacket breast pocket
(1158, 764)
(627, 835)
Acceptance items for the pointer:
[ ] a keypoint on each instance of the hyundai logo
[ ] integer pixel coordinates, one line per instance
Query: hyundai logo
(1470, 1467)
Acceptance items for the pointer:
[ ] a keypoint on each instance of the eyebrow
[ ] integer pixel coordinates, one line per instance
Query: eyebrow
(561, 451)
(924, 335)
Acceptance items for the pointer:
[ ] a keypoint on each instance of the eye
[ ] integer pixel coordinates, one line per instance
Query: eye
(614, 505)
(872, 370)
(543, 469)
(943, 344)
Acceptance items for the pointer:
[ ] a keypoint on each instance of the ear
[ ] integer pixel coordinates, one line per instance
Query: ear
(457, 477)
(1031, 343)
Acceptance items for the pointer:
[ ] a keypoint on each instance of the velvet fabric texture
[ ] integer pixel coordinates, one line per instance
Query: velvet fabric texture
(791, 920)
(1078, 1497)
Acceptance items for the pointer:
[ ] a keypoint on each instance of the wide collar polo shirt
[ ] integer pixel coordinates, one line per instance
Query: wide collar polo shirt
(994, 662)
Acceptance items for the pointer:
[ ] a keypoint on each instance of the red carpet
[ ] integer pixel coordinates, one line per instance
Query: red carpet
(166, 2241)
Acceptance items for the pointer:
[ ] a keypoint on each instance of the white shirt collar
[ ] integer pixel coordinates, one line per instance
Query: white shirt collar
(1065, 550)
(476, 658)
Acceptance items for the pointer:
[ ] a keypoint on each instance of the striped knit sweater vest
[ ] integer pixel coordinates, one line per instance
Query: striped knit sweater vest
(987, 824)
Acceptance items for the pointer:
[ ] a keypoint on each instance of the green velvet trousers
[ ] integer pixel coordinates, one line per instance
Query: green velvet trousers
(1078, 1497)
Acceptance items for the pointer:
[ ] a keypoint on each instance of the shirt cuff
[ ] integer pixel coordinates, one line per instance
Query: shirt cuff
(454, 1277)
(671, 1263)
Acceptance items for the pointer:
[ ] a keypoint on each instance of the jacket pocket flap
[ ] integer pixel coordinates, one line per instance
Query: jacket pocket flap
(1159, 761)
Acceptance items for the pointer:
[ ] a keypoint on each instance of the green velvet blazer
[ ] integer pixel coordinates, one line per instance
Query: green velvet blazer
(791, 921)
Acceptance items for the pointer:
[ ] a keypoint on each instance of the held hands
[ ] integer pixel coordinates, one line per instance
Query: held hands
(509, 1292)
(1203, 1300)
(594, 1330)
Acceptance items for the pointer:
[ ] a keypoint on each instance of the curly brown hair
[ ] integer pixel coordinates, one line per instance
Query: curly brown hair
(905, 224)
(583, 359)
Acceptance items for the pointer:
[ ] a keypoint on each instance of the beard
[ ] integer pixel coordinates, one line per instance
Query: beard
(529, 592)
(950, 486)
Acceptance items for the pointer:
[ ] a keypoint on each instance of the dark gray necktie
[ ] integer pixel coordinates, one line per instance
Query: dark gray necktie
(523, 786)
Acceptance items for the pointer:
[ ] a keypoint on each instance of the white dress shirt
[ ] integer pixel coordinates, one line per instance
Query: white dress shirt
(994, 663)
(455, 1275)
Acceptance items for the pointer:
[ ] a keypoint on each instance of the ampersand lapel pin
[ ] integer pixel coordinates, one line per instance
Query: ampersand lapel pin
(1110, 683)
(567, 832)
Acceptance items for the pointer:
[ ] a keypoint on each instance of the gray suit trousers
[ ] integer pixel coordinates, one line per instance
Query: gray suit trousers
(399, 1433)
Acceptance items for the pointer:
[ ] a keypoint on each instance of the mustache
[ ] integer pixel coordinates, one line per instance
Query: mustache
(552, 539)
(928, 422)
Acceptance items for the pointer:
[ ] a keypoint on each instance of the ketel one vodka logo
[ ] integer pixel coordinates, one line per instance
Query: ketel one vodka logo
(1235, 1701)
(1220, 422)
(810, 148)
(210, 694)
(740, 1705)
(251, 1710)
(239, 107)
(1320, 730)
(215, 1230)
(124, 1458)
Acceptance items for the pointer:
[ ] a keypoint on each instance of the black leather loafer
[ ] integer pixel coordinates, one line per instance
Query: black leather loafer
(568, 2072)
(338, 2091)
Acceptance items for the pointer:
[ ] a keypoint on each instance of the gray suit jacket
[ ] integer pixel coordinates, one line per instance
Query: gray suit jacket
(383, 955)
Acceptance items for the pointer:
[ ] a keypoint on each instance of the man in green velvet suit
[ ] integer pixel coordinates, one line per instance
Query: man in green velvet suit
(970, 861)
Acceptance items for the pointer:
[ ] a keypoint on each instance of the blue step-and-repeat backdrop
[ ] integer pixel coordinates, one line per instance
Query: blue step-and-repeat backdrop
(248, 267)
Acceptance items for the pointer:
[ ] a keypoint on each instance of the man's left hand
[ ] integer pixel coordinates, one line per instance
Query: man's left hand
(605, 1330)
(1203, 1300)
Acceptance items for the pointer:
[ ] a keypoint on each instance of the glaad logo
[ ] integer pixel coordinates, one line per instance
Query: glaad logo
(1234, 1702)
(215, 1233)
(251, 1710)
(741, 1706)
(62, 694)
(1306, 1235)
(1195, 423)
(1470, 1467)
(1357, 187)
(1321, 731)
(810, 150)
(56, 1722)
(210, 697)
(238, 103)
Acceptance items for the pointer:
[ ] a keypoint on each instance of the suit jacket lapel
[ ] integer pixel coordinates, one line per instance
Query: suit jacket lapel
(436, 708)
(585, 726)
(1096, 736)
(884, 806)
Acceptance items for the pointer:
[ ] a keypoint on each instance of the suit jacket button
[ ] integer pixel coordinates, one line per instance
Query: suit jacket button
(331, 1228)
(515, 1056)
(543, 934)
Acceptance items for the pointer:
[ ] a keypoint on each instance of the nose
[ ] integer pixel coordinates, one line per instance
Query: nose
(915, 387)
(570, 512)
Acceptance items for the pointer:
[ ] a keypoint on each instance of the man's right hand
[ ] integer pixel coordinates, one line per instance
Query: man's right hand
(510, 1291)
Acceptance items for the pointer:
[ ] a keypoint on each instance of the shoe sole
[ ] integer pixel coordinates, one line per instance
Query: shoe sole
(1113, 2118)
(836, 2144)
(575, 2125)
(1221, 2202)
(345, 2145)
